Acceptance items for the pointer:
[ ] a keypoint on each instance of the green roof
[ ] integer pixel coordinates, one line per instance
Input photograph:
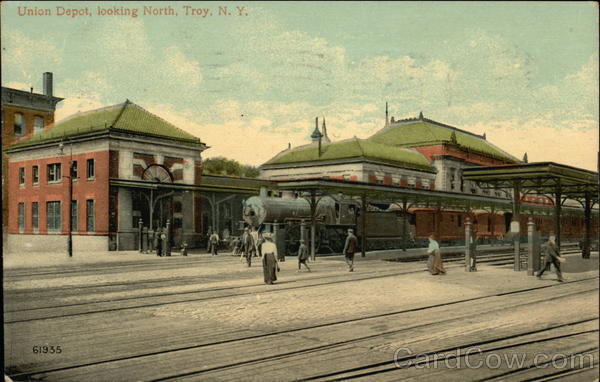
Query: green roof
(354, 148)
(424, 132)
(126, 117)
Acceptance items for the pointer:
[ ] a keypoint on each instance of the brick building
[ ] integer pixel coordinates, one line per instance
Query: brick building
(447, 148)
(24, 114)
(354, 159)
(127, 164)
(414, 152)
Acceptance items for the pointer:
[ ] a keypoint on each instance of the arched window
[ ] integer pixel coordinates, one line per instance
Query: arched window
(19, 124)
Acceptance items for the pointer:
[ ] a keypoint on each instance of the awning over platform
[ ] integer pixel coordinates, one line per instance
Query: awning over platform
(540, 178)
(209, 184)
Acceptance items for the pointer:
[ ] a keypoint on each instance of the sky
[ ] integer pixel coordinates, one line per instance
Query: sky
(251, 78)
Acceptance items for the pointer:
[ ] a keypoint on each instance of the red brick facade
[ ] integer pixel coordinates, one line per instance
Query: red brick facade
(29, 115)
(432, 152)
(84, 189)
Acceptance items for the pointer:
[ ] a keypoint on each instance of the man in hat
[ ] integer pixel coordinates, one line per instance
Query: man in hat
(551, 256)
(302, 255)
(350, 248)
(435, 263)
(214, 243)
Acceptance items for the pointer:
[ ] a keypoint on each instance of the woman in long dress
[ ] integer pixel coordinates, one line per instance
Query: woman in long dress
(435, 263)
(269, 259)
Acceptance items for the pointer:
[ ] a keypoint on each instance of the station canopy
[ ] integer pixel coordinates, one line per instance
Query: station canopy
(542, 178)
(391, 194)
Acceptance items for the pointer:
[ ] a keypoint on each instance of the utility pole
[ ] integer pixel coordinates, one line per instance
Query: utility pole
(70, 237)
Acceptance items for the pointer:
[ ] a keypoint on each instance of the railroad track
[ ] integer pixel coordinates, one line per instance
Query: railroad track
(523, 298)
(182, 280)
(145, 301)
(181, 262)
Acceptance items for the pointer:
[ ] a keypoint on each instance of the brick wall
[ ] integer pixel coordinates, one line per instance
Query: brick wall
(83, 189)
(431, 152)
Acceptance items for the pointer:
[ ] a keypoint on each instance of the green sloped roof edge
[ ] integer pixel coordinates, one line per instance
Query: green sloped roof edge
(354, 148)
(126, 117)
(424, 133)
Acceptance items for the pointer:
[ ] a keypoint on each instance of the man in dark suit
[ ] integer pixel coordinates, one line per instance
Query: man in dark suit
(349, 248)
(551, 256)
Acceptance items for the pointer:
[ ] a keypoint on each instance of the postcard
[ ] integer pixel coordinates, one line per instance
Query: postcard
(300, 190)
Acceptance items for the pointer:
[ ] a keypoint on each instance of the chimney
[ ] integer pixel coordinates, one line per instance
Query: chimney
(48, 84)
(387, 122)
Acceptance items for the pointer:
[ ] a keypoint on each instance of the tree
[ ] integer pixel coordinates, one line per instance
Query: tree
(228, 167)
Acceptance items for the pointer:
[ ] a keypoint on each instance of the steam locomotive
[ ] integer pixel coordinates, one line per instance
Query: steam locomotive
(387, 226)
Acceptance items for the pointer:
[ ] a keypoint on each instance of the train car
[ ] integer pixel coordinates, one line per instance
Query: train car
(388, 228)
(334, 217)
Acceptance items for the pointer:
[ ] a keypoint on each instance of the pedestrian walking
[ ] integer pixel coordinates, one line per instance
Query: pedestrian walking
(208, 246)
(158, 242)
(214, 243)
(269, 259)
(255, 239)
(551, 256)
(302, 255)
(473, 249)
(350, 248)
(235, 244)
(248, 246)
(435, 263)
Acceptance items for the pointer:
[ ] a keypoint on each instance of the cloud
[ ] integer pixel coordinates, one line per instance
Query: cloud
(27, 58)
(249, 98)
(182, 69)
(544, 140)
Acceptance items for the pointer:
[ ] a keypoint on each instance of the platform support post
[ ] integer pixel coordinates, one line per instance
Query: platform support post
(363, 218)
(557, 211)
(167, 243)
(533, 248)
(516, 222)
(404, 216)
(141, 235)
(468, 247)
(587, 226)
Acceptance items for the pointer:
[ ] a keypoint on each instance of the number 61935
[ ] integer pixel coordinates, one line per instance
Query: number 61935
(47, 349)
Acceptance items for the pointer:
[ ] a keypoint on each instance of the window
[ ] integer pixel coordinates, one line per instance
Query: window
(90, 215)
(22, 176)
(53, 216)
(19, 124)
(74, 170)
(54, 174)
(35, 215)
(35, 175)
(90, 169)
(74, 215)
(412, 182)
(21, 217)
(38, 124)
